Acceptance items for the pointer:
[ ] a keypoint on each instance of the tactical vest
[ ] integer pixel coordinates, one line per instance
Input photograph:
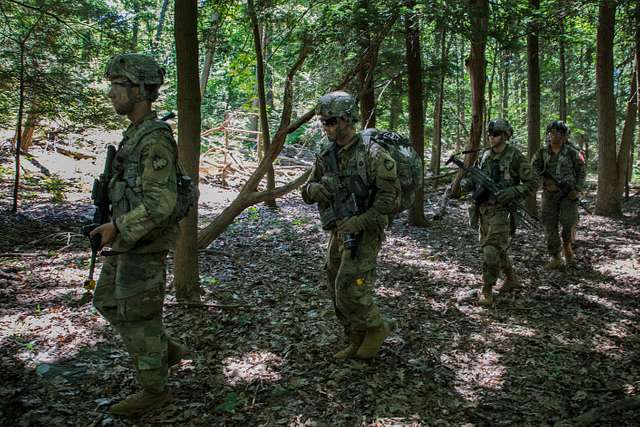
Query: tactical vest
(503, 173)
(566, 162)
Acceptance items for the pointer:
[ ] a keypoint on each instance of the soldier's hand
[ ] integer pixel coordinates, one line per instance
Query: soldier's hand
(318, 192)
(506, 195)
(573, 195)
(351, 225)
(107, 232)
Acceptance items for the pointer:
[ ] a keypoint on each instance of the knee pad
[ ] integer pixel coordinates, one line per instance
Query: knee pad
(491, 256)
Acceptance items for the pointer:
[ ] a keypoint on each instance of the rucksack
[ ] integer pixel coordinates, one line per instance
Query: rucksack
(187, 191)
(408, 163)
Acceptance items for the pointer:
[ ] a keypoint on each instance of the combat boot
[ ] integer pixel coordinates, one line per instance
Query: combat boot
(355, 341)
(511, 282)
(555, 263)
(485, 296)
(373, 340)
(140, 403)
(567, 250)
(175, 353)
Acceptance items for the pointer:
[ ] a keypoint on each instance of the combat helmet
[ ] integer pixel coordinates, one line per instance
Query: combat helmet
(338, 104)
(560, 126)
(139, 69)
(500, 125)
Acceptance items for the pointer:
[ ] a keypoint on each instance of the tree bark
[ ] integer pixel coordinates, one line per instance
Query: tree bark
(366, 79)
(626, 140)
(186, 38)
(161, 17)
(262, 98)
(396, 104)
(416, 107)
(504, 90)
(477, 66)
(489, 103)
(563, 76)
(608, 202)
(16, 181)
(209, 52)
(533, 98)
(436, 145)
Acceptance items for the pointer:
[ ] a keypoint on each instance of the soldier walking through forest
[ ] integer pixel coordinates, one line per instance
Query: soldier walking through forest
(357, 189)
(562, 167)
(143, 194)
(509, 169)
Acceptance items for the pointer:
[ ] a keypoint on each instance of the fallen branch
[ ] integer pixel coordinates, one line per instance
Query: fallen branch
(600, 413)
(74, 154)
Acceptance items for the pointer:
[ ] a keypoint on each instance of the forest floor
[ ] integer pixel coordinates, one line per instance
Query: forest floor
(262, 345)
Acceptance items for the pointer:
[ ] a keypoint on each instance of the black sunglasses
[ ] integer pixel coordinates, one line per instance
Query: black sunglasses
(494, 133)
(331, 121)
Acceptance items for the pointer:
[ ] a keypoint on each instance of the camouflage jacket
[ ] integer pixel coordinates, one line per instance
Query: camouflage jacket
(377, 169)
(509, 168)
(567, 165)
(143, 189)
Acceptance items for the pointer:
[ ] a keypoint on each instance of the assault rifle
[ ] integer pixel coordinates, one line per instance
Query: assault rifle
(343, 201)
(100, 196)
(564, 187)
(484, 183)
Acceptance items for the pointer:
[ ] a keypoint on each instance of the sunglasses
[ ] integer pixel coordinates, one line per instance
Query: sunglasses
(494, 133)
(331, 121)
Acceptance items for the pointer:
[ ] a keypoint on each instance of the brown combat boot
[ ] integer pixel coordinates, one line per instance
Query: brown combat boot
(511, 280)
(373, 340)
(485, 296)
(355, 341)
(567, 250)
(175, 353)
(140, 403)
(554, 263)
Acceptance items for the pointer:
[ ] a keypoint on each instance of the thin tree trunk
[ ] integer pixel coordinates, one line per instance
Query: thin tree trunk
(416, 107)
(628, 130)
(16, 181)
(608, 201)
(136, 26)
(262, 98)
(366, 79)
(186, 37)
(504, 92)
(396, 104)
(459, 105)
(490, 95)
(563, 76)
(210, 50)
(436, 146)
(477, 65)
(161, 17)
(27, 133)
(533, 100)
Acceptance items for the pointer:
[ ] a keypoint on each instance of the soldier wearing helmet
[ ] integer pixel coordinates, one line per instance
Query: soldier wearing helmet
(507, 167)
(564, 162)
(143, 193)
(368, 172)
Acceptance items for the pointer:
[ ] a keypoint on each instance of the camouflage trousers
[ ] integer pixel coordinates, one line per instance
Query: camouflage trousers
(495, 229)
(351, 281)
(130, 295)
(558, 211)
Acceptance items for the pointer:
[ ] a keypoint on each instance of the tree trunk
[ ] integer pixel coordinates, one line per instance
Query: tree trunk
(16, 180)
(608, 201)
(366, 79)
(210, 50)
(163, 13)
(563, 76)
(459, 104)
(416, 107)
(533, 100)
(477, 65)
(626, 141)
(27, 134)
(490, 95)
(396, 104)
(436, 145)
(504, 90)
(262, 98)
(136, 26)
(186, 37)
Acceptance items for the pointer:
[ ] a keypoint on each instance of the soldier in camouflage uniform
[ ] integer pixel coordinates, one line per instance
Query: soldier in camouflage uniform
(142, 192)
(565, 162)
(506, 166)
(351, 272)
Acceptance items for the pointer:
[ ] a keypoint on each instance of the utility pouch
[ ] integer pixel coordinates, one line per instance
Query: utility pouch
(473, 216)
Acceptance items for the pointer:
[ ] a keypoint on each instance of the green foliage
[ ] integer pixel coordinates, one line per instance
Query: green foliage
(231, 402)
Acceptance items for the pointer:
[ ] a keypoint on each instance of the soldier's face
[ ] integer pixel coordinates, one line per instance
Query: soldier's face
(330, 126)
(556, 137)
(119, 96)
(495, 138)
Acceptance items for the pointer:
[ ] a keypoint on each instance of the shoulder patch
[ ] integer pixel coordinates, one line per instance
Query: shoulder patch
(388, 164)
(159, 162)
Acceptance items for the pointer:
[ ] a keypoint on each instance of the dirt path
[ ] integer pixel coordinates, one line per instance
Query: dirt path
(262, 345)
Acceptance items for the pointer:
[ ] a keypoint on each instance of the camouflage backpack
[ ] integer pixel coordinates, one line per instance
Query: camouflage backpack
(408, 163)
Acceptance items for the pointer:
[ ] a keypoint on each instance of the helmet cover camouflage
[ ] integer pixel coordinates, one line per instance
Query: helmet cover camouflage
(559, 125)
(139, 69)
(500, 125)
(338, 104)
